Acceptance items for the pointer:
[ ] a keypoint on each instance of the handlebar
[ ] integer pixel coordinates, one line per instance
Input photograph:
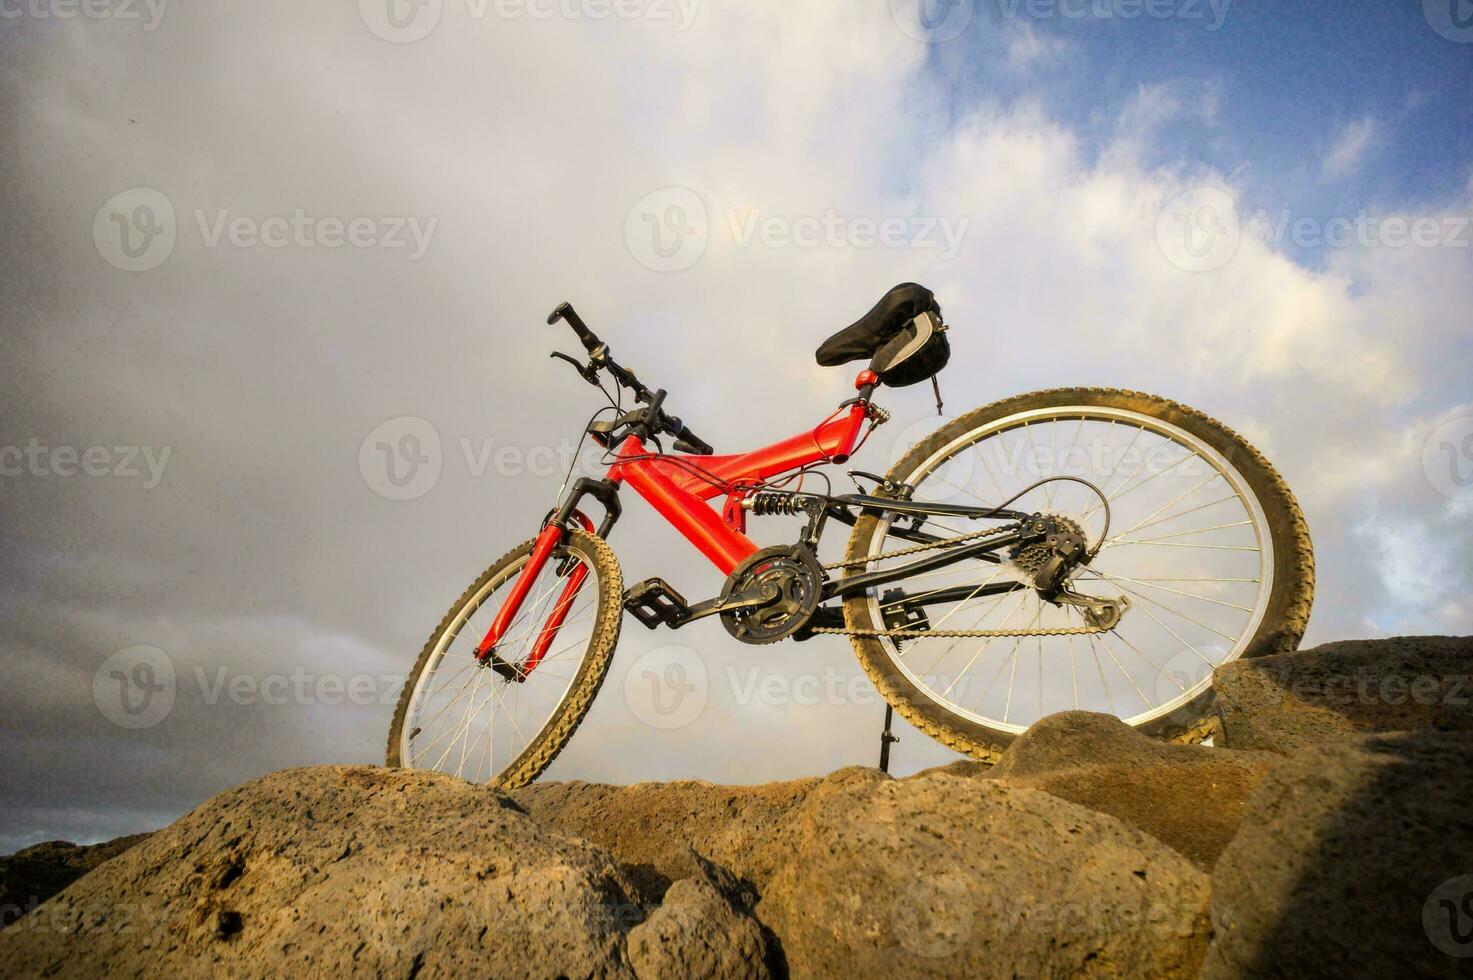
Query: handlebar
(688, 442)
(565, 311)
(598, 355)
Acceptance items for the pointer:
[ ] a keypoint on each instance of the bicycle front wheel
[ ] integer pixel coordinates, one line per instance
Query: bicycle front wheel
(460, 716)
(1204, 539)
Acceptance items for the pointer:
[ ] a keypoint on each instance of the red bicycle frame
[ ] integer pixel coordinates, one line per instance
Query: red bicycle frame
(679, 488)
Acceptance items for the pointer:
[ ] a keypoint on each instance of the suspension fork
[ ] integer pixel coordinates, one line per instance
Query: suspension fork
(553, 533)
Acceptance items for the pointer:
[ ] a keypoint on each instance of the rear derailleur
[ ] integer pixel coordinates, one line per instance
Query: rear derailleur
(1057, 549)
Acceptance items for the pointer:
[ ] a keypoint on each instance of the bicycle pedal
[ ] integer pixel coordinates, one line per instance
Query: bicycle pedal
(654, 603)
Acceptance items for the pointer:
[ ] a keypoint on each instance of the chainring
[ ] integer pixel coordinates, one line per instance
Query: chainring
(795, 579)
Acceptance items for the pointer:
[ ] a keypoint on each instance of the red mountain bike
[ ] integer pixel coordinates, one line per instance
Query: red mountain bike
(1074, 548)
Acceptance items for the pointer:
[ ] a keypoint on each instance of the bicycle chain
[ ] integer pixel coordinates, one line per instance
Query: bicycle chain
(943, 634)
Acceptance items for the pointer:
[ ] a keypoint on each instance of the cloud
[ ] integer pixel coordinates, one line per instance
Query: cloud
(1350, 148)
(1027, 47)
(264, 551)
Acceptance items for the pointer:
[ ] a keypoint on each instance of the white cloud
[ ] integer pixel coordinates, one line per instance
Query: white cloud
(1026, 47)
(531, 140)
(1350, 147)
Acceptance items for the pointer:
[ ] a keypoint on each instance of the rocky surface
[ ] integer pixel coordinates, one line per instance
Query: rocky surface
(1295, 701)
(31, 876)
(341, 870)
(953, 877)
(651, 828)
(1190, 797)
(1349, 864)
(1314, 840)
(703, 928)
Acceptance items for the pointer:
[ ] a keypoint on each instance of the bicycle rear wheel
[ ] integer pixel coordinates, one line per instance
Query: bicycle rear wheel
(1205, 541)
(460, 716)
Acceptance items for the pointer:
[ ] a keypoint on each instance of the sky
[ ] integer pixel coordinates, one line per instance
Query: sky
(244, 244)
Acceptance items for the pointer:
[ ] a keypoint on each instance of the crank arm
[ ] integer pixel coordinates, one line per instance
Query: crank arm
(712, 607)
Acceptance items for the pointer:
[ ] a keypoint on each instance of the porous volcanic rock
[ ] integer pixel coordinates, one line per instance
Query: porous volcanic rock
(703, 928)
(31, 876)
(1292, 701)
(1355, 859)
(949, 876)
(652, 828)
(341, 870)
(1188, 796)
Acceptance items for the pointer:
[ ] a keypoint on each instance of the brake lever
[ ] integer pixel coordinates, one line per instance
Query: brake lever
(588, 372)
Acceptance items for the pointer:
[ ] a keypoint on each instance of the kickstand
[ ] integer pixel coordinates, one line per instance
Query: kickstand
(885, 739)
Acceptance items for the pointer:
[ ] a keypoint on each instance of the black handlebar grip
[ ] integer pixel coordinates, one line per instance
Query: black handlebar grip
(566, 312)
(688, 441)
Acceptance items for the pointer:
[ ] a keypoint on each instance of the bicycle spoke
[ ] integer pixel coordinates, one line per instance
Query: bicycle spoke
(1178, 544)
(1159, 672)
(1111, 654)
(984, 645)
(1103, 682)
(1189, 595)
(1178, 518)
(1073, 674)
(1142, 525)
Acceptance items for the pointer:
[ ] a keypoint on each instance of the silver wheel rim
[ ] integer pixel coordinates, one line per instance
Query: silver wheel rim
(469, 721)
(1126, 651)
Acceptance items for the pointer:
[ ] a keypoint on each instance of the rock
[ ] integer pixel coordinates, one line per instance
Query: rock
(942, 875)
(651, 828)
(341, 870)
(1354, 859)
(1291, 701)
(31, 876)
(1190, 797)
(703, 928)
(961, 767)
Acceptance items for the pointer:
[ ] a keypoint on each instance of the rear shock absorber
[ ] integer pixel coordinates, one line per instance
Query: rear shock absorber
(780, 502)
(766, 503)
